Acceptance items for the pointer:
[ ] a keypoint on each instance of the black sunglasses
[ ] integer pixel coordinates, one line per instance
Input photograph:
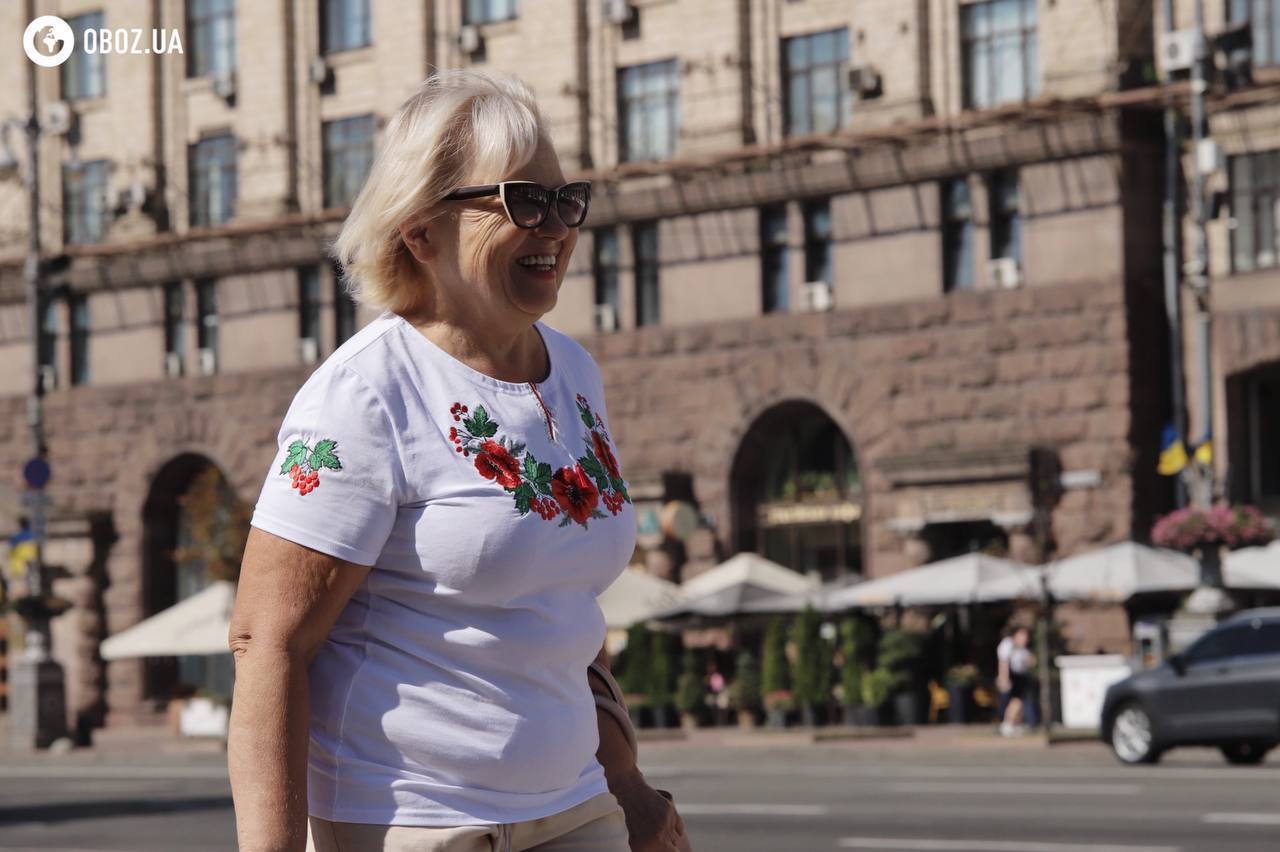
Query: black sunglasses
(528, 204)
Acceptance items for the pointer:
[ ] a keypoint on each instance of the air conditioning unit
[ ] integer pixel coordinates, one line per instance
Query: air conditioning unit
(1003, 273)
(606, 318)
(208, 362)
(308, 350)
(173, 364)
(469, 39)
(816, 296)
(58, 118)
(48, 377)
(320, 71)
(618, 11)
(224, 85)
(865, 82)
(1178, 49)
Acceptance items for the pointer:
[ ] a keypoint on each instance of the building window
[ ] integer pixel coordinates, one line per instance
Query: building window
(207, 324)
(344, 309)
(309, 304)
(175, 328)
(1255, 192)
(348, 154)
(78, 305)
(1263, 406)
(1006, 215)
(1264, 16)
(817, 241)
(648, 111)
(957, 236)
(84, 202)
(815, 82)
(644, 244)
(211, 32)
(1000, 57)
(84, 75)
(774, 274)
(344, 25)
(604, 268)
(213, 180)
(48, 344)
(489, 11)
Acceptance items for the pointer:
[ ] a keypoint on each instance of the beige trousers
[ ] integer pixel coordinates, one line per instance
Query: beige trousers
(596, 825)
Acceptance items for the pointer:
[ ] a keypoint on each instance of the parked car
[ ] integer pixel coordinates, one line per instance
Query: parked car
(1224, 691)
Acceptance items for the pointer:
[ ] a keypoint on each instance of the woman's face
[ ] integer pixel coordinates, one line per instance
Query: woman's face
(486, 268)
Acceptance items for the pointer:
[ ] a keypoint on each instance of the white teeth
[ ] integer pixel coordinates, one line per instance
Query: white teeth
(537, 260)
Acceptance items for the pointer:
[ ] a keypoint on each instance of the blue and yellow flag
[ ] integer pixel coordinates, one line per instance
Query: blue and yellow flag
(1204, 450)
(1173, 455)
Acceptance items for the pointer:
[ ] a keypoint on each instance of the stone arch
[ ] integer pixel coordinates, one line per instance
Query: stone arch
(751, 446)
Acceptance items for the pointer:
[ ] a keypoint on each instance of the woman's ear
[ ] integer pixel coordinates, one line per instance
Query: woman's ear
(417, 239)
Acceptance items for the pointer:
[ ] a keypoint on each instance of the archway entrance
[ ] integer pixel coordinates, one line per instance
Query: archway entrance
(796, 492)
(194, 531)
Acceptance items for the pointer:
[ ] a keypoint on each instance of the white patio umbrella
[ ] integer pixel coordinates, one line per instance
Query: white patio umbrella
(971, 578)
(1252, 567)
(195, 625)
(730, 587)
(1117, 572)
(635, 596)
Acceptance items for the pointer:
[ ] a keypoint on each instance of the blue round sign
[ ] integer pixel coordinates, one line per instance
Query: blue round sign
(36, 472)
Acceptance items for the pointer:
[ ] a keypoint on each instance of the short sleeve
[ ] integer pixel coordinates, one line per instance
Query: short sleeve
(336, 480)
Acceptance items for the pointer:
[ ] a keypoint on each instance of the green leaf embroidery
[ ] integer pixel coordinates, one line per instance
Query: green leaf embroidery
(480, 425)
(524, 494)
(324, 456)
(585, 414)
(621, 488)
(297, 455)
(567, 520)
(596, 513)
(592, 466)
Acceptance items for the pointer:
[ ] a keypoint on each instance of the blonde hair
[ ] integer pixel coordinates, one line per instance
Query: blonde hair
(458, 123)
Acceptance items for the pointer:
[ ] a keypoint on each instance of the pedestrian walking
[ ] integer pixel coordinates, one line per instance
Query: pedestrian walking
(1015, 662)
(416, 635)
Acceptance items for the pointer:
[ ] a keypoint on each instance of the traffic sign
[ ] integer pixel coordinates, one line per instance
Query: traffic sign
(36, 472)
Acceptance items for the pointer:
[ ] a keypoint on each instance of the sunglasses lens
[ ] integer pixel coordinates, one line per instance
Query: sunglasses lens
(573, 203)
(527, 204)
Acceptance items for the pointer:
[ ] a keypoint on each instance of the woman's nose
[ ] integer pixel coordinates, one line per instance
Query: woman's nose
(553, 227)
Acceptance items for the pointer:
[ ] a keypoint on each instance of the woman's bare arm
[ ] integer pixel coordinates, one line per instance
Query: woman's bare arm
(288, 599)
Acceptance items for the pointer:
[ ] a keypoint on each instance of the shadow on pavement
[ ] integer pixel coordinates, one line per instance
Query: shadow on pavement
(98, 808)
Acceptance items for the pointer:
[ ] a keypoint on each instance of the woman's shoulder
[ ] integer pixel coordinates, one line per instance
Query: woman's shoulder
(568, 348)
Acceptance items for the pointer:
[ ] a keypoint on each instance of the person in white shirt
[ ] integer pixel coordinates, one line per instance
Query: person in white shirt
(416, 618)
(1013, 681)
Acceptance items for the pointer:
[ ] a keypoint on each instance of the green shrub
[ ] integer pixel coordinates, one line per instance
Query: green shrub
(807, 677)
(900, 655)
(661, 670)
(634, 663)
(877, 687)
(774, 676)
(690, 693)
(851, 649)
(744, 693)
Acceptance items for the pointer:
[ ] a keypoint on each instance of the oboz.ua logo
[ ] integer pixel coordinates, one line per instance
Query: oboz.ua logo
(48, 41)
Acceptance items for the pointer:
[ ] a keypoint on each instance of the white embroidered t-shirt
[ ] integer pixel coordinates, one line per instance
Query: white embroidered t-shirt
(453, 688)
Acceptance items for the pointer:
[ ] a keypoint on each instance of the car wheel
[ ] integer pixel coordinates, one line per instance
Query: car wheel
(1246, 754)
(1133, 736)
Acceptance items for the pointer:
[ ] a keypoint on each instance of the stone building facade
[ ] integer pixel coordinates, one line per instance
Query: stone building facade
(858, 320)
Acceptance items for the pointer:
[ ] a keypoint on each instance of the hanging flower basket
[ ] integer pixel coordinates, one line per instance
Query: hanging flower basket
(1231, 527)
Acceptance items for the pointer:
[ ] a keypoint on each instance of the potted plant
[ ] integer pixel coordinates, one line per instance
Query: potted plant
(633, 673)
(744, 693)
(810, 680)
(690, 692)
(900, 653)
(877, 687)
(660, 678)
(960, 680)
(775, 678)
(852, 640)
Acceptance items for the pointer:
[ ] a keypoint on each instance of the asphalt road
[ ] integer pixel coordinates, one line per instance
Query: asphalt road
(976, 794)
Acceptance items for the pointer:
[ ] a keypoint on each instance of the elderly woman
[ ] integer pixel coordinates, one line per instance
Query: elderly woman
(416, 621)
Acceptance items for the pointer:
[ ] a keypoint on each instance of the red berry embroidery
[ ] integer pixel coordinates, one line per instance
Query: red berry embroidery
(303, 463)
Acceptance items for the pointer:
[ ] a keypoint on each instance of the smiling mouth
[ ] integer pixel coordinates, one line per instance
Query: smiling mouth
(538, 263)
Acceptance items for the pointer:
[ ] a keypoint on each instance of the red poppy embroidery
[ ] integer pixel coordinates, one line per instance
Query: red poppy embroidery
(576, 492)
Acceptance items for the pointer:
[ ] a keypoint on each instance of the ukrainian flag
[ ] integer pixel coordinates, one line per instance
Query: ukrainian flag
(1173, 455)
(1204, 450)
(22, 552)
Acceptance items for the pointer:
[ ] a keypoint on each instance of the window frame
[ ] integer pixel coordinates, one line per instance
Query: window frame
(642, 102)
(202, 157)
(1248, 202)
(344, 309)
(606, 275)
(363, 37)
(1028, 51)
(957, 275)
(647, 271)
(1266, 51)
(775, 261)
(207, 320)
(47, 345)
(86, 216)
(175, 322)
(203, 18)
(309, 291)
(1005, 225)
(343, 143)
(486, 17)
(84, 75)
(843, 95)
(78, 334)
(817, 246)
